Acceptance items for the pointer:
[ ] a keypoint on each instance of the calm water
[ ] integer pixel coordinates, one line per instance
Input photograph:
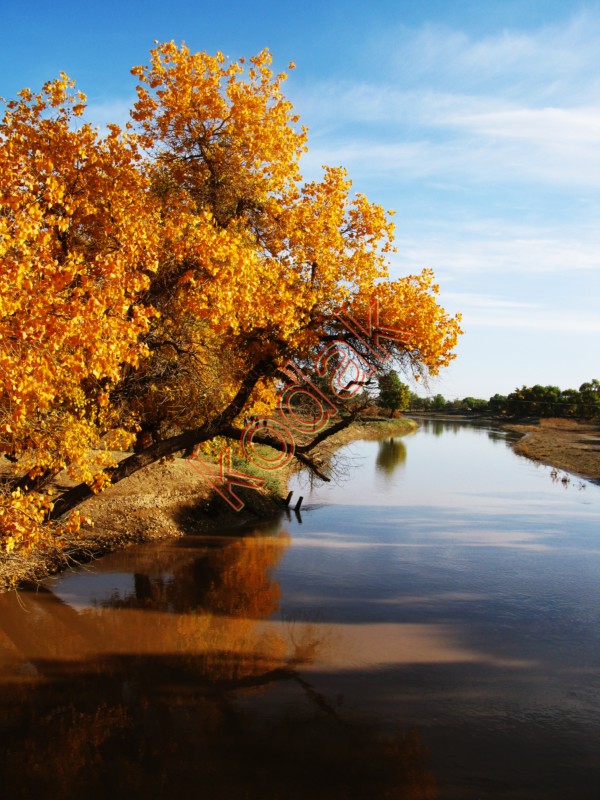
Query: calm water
(428, 628)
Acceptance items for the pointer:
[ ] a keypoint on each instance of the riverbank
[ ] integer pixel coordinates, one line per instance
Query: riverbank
(170, 499)
(565, 444)
(374, 428)
(561, 443)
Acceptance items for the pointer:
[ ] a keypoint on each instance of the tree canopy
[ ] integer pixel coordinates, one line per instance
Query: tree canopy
(393, 394)
(157, 281)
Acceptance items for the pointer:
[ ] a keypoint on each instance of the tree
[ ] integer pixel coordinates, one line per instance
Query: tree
(498, 404)
(474, 404)
(157, 281)
(76, 246)
(568, 402)
(590, 399)
(393, 394)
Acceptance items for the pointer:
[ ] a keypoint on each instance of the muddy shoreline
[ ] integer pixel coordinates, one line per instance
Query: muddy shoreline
(564, 444)
(569, 445)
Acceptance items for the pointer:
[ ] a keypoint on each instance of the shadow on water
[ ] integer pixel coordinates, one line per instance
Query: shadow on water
(151, 689)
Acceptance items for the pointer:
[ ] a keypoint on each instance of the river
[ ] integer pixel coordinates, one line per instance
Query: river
(427, 627)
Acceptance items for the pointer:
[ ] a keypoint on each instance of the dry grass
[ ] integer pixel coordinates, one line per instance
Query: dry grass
(378, 428)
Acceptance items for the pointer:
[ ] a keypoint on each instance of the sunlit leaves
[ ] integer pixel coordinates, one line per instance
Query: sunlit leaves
(76, 248)
(146, 271)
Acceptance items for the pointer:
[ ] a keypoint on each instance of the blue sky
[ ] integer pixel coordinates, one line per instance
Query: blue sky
(479, 123)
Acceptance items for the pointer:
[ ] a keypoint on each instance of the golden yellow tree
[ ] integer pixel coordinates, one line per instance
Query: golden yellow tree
(255, 265)
(76, 227)
(159, 282)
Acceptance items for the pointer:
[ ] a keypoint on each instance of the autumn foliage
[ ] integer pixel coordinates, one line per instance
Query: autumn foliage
(154, 280)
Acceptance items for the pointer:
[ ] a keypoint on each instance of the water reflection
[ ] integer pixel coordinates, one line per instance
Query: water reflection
(201, 744)
(391, 454)
(231, 577)
(466, 590)
(150, 688)
(446, 601)
(438, 427)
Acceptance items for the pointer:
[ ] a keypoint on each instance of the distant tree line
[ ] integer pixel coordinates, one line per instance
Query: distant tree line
(528, 401)
(393, 397)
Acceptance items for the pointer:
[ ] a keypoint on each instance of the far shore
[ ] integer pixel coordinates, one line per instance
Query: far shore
(564, 444)
(568, 445)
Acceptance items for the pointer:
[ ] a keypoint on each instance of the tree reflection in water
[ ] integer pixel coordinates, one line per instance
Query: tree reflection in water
(154, 694)
(391, 454)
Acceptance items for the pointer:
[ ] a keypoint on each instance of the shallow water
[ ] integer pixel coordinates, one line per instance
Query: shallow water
(427, 628)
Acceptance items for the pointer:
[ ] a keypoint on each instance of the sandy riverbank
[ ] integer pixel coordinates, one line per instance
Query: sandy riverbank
(561, 443)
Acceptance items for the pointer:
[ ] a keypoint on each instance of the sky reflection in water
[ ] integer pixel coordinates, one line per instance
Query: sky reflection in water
(468, 581)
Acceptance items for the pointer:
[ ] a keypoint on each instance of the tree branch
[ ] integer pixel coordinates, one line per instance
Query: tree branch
(183, 441)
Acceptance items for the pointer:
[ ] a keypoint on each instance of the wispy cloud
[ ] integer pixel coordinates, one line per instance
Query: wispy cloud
(509, 108)
(480, 310)
(496, 247)
(475, 300)
(554, 127)
(447, 137)
(481, 155)
(574, 322)
(550, 61)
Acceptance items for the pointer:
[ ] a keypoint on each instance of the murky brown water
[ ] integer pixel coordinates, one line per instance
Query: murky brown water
(427, 629)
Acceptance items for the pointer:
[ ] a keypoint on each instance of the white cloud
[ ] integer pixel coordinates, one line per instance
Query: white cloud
(480, 310)
(483, 301)
(546, 60)
(549, 126)
(500, 248)
(551, 320)
(456, 138)
(553, 145)
(515, 107)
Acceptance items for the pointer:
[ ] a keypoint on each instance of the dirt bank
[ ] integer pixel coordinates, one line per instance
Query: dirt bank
(374, 428)
(561, 443)
(169, 499)
(163, 500)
